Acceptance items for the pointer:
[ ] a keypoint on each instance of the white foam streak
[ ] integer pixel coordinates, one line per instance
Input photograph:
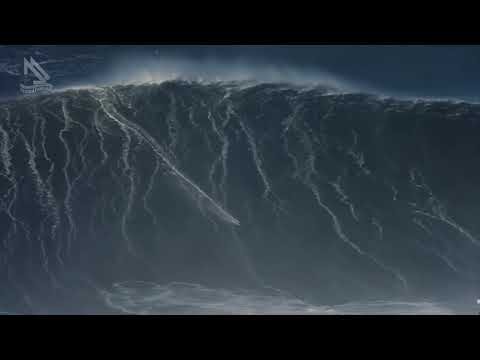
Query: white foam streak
(157, 149)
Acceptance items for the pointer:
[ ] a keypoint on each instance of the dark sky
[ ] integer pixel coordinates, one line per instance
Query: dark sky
(451, 71)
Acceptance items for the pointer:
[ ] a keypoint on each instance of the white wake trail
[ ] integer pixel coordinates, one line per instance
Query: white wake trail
(149, 191)
(157, 149)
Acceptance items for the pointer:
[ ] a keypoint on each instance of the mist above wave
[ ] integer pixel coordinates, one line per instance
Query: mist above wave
(145, 69)
(135, 69)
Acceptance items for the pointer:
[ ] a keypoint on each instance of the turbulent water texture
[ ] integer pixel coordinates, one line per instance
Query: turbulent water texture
(184, 298)
(335, 198)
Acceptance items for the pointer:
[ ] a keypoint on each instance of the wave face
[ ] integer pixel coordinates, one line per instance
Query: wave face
(335, 198)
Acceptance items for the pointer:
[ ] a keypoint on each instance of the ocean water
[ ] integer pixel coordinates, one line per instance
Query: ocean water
(205, 197)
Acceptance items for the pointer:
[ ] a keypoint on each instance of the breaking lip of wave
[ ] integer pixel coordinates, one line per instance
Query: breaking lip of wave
(140, 70)
(146, 298)
(242, 84)
(135, 70)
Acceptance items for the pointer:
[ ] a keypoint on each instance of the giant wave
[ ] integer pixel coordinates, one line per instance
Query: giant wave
(333, 197)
